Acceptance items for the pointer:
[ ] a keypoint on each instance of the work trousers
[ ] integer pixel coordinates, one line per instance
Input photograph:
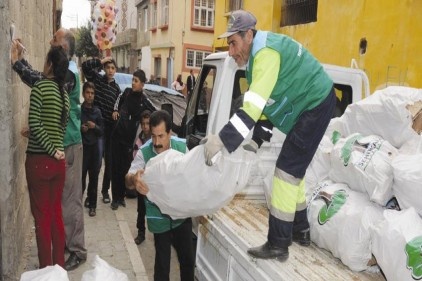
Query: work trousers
(45, 176)
(181, 239)
(73, 215)
(121, 159)
(140, 220)
(105, 145)
(91, 166)
(288, 203)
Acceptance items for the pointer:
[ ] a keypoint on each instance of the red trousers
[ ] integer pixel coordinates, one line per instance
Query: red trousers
(45, 176)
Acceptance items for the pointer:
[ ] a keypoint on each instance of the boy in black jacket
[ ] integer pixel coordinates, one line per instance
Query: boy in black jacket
(92, 130)
(127, 111)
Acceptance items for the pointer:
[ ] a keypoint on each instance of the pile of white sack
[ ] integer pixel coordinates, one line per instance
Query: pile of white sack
(364, 186)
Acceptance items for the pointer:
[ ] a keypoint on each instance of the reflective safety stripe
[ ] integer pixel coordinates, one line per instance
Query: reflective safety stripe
(288, 196)
(239, 125)
(284, 196)
(255, 99)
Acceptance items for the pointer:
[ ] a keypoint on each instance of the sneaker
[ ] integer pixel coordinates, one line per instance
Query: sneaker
(92, 212)
(114, 205)
(106, 198)
(86, 203)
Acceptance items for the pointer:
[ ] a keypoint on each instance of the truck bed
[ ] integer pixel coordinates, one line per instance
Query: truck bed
(225, 237)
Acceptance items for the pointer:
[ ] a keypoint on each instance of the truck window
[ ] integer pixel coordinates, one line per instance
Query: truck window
(344, 98)
(240, 86)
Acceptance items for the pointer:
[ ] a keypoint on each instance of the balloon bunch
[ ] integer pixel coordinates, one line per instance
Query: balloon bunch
(104, 24)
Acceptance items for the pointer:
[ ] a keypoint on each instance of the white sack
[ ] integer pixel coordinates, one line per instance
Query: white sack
(182, 185)
(407, 186)
(364, 164)
(49, 273)
(384, 114)
(103, 272)
(396, 244)
(341, 223)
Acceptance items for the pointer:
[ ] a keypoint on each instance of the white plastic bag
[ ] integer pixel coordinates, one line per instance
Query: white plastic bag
(383, 113)
(103, 272)
(397, 243)
(407, 185)
(182, 185)
(340, 220)
(49, 273)
(364, 164)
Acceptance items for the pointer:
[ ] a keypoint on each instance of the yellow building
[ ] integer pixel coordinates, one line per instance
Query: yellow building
(181, 36)
(380, 37)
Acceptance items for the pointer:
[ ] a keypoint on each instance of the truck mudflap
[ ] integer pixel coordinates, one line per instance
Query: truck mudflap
(225, 237)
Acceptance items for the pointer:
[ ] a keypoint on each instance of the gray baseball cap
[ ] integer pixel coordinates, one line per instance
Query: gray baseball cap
(239, 20)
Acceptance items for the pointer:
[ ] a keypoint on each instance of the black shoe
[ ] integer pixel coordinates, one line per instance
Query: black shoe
(114, 205)
(92, 212)
(106, 198)
(140, 238)
(122, 203)
(73, 262)
(86, 203)
(267, 251)
(303, 238)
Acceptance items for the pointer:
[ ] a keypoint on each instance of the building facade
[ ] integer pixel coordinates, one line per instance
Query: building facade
(381, 39)
(181, 34)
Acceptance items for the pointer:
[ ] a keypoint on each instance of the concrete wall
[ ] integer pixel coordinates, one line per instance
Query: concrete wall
(15, 216)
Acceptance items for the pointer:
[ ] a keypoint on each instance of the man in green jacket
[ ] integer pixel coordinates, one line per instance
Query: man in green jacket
(288, 89)
(166, 231)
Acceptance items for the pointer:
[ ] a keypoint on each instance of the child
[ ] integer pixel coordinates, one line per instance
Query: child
(127, 110)
(92, 130)
(107, 92)
(143, 137)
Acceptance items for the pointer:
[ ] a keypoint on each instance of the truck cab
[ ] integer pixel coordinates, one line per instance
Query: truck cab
(225, 236)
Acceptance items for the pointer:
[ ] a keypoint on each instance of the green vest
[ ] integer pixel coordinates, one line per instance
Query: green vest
(156, 221)
(302, 83)
(73, 127)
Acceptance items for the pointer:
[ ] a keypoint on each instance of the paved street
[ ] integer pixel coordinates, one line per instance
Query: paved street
(110, 235)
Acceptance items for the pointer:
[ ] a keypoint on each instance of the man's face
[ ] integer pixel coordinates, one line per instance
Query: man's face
(110, 70)
(58, 39)
(137, 85)
(239, 48)
(160, 138)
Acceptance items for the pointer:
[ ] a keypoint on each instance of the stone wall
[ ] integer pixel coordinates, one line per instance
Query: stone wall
(33, 22)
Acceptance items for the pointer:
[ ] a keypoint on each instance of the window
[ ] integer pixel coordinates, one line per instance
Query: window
(154, 15)
(204, 13)
(146, 20)
(295, 12)
(194, 58)
(164, 12)
(233, 5)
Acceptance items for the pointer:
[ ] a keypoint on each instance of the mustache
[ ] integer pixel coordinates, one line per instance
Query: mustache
(158, 146)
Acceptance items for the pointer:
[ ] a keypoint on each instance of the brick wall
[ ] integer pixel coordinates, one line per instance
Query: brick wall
(33, 22)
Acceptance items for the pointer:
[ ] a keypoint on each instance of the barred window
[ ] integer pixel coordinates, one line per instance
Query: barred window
(233, 5)
(295, 12)
(164, 12)
(204, 13)
(195, 58)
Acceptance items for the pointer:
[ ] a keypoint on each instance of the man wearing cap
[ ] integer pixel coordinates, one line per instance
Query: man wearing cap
(288, 89)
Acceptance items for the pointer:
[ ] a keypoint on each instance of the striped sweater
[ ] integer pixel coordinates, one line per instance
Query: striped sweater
(44, 118)
(106, 92)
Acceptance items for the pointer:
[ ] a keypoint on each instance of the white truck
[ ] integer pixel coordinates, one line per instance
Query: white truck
(224, 237)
